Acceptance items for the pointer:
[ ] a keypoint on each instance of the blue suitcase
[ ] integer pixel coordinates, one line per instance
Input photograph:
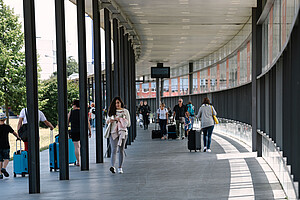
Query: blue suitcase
(20, 161)
(72, 157)
(53, 157)
(54, 154)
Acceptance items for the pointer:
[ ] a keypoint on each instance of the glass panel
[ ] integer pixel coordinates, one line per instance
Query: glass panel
(213, 78)
(145, 90)
(195, 83)
(166, 88)
(174, 83)
(184, 85)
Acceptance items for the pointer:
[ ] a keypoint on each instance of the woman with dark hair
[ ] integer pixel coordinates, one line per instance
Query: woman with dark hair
(206, 112)
(118, 120)
(74, 119)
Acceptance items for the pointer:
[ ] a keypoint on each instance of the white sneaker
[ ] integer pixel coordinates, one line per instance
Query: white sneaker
(208, 150)
(120, 171)
(204, 149)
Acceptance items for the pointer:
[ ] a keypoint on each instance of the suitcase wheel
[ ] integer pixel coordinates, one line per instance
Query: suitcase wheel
(190, 150)
(23, 174)
(15, 174)
(50, 169)
(195, 150)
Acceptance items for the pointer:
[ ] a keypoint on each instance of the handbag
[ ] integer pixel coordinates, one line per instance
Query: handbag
(214, 116)
(23, 131)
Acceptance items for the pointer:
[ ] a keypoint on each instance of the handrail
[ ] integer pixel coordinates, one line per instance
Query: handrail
(270, 153)
(289, 185)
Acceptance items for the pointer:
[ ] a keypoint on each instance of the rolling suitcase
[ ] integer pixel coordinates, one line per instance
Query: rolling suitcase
(194, 140)
(172, 131)
(20, 161)
(156, 133)
(72, 157)
(53, 160)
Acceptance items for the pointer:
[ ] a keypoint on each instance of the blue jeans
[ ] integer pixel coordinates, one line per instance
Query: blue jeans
(163, 126)
(207, 132)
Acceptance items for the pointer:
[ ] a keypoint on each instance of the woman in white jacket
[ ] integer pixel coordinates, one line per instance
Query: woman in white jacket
(118, 120)
(206, 112)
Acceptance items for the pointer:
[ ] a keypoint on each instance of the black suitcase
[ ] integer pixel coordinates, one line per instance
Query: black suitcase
(156, 133)
(172, 131)
(194, 140)
(172, 128)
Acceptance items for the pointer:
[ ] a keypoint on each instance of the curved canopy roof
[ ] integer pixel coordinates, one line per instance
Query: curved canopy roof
(176, 32)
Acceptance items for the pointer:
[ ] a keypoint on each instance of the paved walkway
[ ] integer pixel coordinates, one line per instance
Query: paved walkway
(156, 169)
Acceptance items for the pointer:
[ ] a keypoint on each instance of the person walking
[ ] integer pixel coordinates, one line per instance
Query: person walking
(178, 114)
(74, 119)
(162, 113)
(23, 120)
(205, 114)
(4, 145)
(140, 113)
(92, 115)
(191, 110)
(145, 112)
(118, 121)
(187, 123)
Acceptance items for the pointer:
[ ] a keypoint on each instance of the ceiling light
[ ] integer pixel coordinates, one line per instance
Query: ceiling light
(144, 21)
(138, 12)
(133, 4)
(185, 20)
(183, 38)
(185, 27)
(185, 13)
(141, 15)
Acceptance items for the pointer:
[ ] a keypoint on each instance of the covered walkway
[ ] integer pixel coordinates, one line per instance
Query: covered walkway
(156, 169)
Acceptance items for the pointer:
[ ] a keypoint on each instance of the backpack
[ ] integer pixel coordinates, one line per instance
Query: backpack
(93, 110)
(191, 109)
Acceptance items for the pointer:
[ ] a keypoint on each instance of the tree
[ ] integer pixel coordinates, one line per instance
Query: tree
(48, 98)
(72, 67)
(12, 61)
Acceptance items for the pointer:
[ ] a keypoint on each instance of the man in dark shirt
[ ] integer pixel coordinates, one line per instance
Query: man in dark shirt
(4, 145)
(179, 113)
(145, 112)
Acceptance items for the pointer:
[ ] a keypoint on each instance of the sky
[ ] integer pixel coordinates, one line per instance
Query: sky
(45, 33)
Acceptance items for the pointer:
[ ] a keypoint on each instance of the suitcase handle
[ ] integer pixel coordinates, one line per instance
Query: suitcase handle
(17, 145)
(51, 136)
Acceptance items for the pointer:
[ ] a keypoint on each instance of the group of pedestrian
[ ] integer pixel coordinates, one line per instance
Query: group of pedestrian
(143, 112)
(184, 116)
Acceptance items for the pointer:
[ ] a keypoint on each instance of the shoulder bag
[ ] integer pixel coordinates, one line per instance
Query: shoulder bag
(23, 131)
(214, 116)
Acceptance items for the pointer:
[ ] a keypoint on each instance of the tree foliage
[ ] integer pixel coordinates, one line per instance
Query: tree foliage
(12, 60)
(48, 98)
(72, 67)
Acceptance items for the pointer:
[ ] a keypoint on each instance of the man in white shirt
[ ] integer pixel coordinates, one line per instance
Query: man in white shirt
(23, 120)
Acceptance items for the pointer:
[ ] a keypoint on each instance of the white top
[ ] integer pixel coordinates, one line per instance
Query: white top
(92, 114)
(162, 113)
(42, 117)
(122, 113)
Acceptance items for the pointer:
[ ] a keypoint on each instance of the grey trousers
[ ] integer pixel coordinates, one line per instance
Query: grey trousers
(114, 148)
(179, 131)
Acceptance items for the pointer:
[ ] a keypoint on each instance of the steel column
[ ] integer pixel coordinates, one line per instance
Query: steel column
(127, 80)
(191, 68)
(32, 96)
(92, 84)
(98, 88)
(256, 60)
(129, 101)
(121, 63)
(116, 58)
(62, 89)
(108, 62)
(89, 90)
(108, 68)
(84, 145)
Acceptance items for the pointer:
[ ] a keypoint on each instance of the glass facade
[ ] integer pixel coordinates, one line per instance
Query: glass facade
(231, 65)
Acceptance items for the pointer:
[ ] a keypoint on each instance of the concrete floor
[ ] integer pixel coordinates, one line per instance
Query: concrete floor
(158, 169)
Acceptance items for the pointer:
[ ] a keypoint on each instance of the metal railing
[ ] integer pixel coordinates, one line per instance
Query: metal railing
(274, 157)
(270, 153)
